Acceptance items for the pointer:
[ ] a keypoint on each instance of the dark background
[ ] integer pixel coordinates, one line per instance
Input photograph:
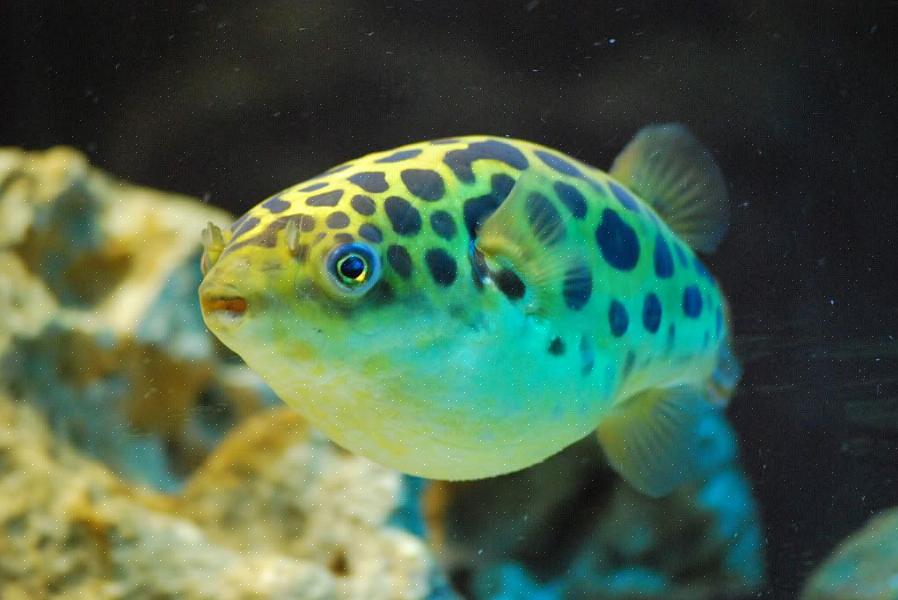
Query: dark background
(232, 103)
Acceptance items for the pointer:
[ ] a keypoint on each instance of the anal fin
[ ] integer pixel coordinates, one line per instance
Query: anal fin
(653, 439)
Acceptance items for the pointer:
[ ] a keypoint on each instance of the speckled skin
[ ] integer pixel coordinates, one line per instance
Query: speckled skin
(436, 371)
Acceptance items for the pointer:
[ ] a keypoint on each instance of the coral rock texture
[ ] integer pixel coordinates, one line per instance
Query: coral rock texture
(276, 512)
(98, 281)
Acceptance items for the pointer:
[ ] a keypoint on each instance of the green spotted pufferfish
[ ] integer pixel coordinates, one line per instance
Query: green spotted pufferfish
(467, 307)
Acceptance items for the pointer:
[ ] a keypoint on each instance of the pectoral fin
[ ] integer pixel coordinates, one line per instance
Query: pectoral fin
(652, 440)
(530, 235)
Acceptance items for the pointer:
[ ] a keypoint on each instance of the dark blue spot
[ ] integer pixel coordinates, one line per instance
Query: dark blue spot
(405, 218)
(618, 318)
(587, 356)
(268, 237)
(443, 224)
(246, 224)
(664, 265)
(571, 198)
(544, 219)
(363, 205)
(424, 183)
(624, 197)
(556, 347)
(681, 254)
(557, 163)
(276, 205)
(371, 233)
(692, 301)
(305, 222)
(671, 337)
(400, 156)
(510, 284)
(577, 287)
(373, 182)
(461, 161)
(337, 220)
(240, 221)
(617, 241)
(325, 199)
(441, 265)
(651, 313)
(398, 258)
(313, 187)
(501, 185)
(477, 210)
(343, 238)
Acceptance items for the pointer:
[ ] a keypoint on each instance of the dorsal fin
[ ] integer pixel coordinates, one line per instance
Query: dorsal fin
(668, 168)
(529, 233)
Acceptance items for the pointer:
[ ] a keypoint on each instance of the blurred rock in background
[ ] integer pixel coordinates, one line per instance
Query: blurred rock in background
(570, 528)
(101, 280)
(139, 459)
(863, 567)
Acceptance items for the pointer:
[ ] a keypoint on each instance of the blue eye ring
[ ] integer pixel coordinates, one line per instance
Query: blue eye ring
(353, 268)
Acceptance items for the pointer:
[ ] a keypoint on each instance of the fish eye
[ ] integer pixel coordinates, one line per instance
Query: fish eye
(353, 267)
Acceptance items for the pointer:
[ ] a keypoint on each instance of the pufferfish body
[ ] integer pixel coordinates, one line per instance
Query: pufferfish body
(467, 307)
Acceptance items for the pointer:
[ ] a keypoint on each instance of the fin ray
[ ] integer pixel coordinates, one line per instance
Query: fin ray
(652, 440)
(530, 233)
(667, 167)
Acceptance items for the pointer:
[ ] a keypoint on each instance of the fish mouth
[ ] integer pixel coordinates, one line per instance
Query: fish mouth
(234, 305)
(222, 301)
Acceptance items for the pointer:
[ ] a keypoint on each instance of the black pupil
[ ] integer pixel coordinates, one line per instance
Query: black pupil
(352, 266)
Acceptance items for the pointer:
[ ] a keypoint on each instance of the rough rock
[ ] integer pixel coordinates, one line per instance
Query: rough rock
(98, 278)
(276, 512)
(863, 567)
